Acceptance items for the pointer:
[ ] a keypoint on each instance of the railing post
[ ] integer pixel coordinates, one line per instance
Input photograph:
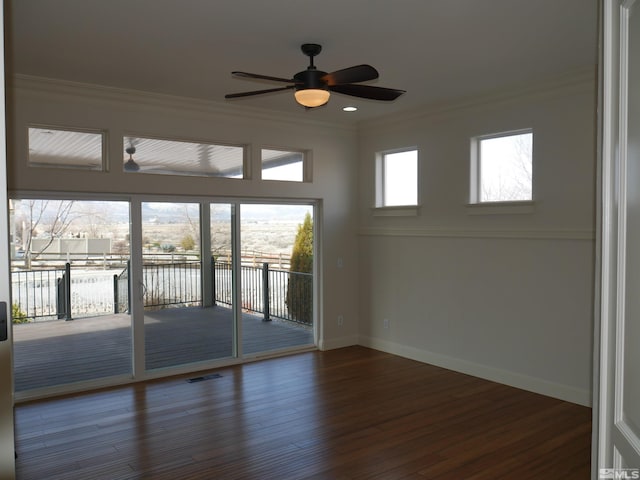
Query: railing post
(67, 290)
(116, 306)
(129, 285)
(213, 281)
(60, 297)
(265, 292)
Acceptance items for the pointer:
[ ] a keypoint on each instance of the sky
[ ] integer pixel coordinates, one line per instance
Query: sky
(506, 168)
(401, 178)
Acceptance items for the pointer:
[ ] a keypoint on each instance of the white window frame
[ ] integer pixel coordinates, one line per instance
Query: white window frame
(479, 206)
(381, 207)
(175, 171)
(102, 167)
(306, 164)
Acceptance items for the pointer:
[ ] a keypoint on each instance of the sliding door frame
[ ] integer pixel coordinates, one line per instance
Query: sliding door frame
(138, 370)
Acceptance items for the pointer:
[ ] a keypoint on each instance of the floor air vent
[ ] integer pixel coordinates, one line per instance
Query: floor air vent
(206, 377)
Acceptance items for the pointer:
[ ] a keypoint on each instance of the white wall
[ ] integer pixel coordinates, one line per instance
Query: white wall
(333, 148)
(507, 297)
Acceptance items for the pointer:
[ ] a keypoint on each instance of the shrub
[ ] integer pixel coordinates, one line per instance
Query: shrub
(167, 247)
(299, 289)
(187, 243)
(18, 315)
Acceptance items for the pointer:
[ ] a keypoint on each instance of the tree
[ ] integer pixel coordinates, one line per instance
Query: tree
(506, 170)
(193, 225)
(299, 289)
(48, 219)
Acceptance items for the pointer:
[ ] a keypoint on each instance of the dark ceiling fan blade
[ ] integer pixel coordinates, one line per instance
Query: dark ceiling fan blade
(367, 91)
(262, 77)
(359, 73)
(257, 92)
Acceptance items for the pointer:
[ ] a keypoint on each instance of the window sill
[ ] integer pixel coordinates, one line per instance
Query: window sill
(399, 211)
(501, 208)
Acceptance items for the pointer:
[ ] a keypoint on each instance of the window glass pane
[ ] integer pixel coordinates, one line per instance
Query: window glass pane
(282, 165)
(69, 288)
(400, 178)
(49, 147)
(277, 248)
(171, 157)
(176, 329)
(506, 168)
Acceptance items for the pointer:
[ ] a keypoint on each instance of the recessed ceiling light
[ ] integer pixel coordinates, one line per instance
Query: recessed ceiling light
(350, 109)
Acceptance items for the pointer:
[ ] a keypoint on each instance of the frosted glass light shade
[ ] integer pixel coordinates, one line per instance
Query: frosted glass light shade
(312, 97)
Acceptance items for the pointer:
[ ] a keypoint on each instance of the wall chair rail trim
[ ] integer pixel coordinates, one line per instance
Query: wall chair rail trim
(453, 232)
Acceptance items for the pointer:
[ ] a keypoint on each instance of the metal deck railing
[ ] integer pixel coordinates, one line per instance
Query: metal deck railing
(72, 292)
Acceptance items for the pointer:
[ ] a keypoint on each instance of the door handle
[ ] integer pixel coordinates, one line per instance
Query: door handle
(143, 291)
(4, 322)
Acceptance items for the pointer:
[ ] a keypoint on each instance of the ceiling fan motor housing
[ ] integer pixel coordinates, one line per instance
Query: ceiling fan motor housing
(310, 79)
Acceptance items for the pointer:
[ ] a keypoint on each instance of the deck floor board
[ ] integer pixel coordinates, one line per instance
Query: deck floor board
(59, 352)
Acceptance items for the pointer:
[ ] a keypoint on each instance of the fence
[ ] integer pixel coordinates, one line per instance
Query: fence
(35, 292)
(172, 284)
(272, 292)
(121, 300)
(57, 293)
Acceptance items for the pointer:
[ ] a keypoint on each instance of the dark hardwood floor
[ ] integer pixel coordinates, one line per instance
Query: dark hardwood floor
(352, 413)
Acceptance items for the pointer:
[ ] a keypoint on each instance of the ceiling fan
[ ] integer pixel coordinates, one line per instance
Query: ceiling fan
(131, 165)
(312, 86)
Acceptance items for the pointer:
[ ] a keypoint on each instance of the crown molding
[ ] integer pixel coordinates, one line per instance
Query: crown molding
(583, 80)
(574, 81)
(455, 232)
(121, 97)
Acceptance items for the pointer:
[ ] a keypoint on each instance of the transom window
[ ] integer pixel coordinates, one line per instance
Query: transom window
(60, 148)
(502, 167)
(174, 157)
(282, 165)
(397, 179)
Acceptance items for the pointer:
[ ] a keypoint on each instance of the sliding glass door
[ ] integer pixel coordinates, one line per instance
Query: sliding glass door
(277, 277)
(181, 322)
(189, 296)
(70, 295)
(115, 288)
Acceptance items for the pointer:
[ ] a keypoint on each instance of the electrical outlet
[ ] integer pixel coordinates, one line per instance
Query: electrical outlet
(385, 323)
(340, 320)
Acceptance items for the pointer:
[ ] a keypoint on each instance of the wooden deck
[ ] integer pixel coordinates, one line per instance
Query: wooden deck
(58, 352)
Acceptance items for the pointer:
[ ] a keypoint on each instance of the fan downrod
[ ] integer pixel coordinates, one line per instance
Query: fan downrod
(311, 50)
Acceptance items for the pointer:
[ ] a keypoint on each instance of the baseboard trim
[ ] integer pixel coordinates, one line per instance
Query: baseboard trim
(513, 379)
(340, 342)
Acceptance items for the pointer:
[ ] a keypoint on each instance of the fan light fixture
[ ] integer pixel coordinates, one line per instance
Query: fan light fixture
(313, 87)
(312, 97)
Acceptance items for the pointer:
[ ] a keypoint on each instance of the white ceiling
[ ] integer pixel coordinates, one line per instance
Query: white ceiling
(434, 49)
